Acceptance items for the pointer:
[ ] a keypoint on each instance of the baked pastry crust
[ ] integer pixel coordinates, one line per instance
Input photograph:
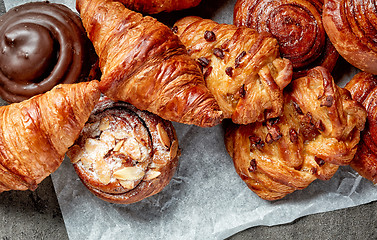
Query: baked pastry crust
(363, 88)
(296, 24)
(241, 67)
(35, 134)
(145, 64)
(43, 44)
(124, 155)
(351, 27)
(157, 6)
(318, 131)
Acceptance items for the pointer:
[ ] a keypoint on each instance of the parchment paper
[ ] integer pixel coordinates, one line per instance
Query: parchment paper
(206, 199)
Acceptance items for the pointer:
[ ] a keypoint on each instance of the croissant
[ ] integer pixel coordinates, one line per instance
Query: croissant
(124, 155)
(242, 68)
(296, 24)
(36, 133)
(157, 6)
(318, 130)
(351, 27)
(145, 64)
(363, 88)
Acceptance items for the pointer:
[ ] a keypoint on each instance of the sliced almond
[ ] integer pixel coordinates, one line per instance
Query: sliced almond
(87, 162)
(75, 153)
(131, 148)
(118, 146)
(104, 124)
(163, 135)
(96, 148)
(107, 137)
(151, 174)
(174, 149)
(127, 184)
(103, 171)
(121, 134)
(129, 173)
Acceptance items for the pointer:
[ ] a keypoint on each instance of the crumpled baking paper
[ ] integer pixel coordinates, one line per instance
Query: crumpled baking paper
(206, 199)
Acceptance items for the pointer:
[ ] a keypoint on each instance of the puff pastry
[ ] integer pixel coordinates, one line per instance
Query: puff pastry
(145, 64)
(351, 27)
(35, 134)
(363, 88)
(298, 27)
(157, 6)
(242, 68)
(318, 130)
(124, 155)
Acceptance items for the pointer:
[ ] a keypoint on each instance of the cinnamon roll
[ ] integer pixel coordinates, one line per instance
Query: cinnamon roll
(351, 27)
(124, 155)
(296, 24)
(363, 88)
(318, 131)
(42, 44)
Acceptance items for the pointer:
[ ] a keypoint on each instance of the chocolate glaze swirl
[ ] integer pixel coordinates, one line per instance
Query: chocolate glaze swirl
(296, 24)
(41, 45)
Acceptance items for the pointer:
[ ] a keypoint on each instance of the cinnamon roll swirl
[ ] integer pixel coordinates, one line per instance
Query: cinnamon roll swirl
(42, 44)
(296, 24)
(124, 155)
(352, 28)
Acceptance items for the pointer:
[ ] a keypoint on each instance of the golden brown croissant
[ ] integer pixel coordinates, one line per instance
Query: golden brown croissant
(363, 88)
(351, 27)
(319, 130)
(145, 64)
(157, 6)
(296, 24)
(123, 154)
(242, 68)
(35, 134)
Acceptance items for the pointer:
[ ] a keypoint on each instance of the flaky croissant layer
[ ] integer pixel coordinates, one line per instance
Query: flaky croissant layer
(35, 134)
(157, 6)
(145, 64)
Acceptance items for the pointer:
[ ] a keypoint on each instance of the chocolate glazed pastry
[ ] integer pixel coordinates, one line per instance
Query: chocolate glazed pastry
(363, 88)
(124, 155)
(157, 6)
(318, 130)
(42, 44)
(351, 26)
(296, 24)
(242, 68)
(145, 64)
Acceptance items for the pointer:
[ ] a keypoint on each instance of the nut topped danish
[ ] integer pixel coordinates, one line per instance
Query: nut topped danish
(318, 130)
(124, 155)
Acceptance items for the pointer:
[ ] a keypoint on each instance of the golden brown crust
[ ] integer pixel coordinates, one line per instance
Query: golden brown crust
(242, 68)
(318, 130)
(351, 27)
(296, 24)
(363, 88)
(145, 64)
(124, 155)
(157, 6)
(36, 133)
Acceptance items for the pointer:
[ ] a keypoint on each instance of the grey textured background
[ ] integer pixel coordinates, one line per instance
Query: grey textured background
(36, 215)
